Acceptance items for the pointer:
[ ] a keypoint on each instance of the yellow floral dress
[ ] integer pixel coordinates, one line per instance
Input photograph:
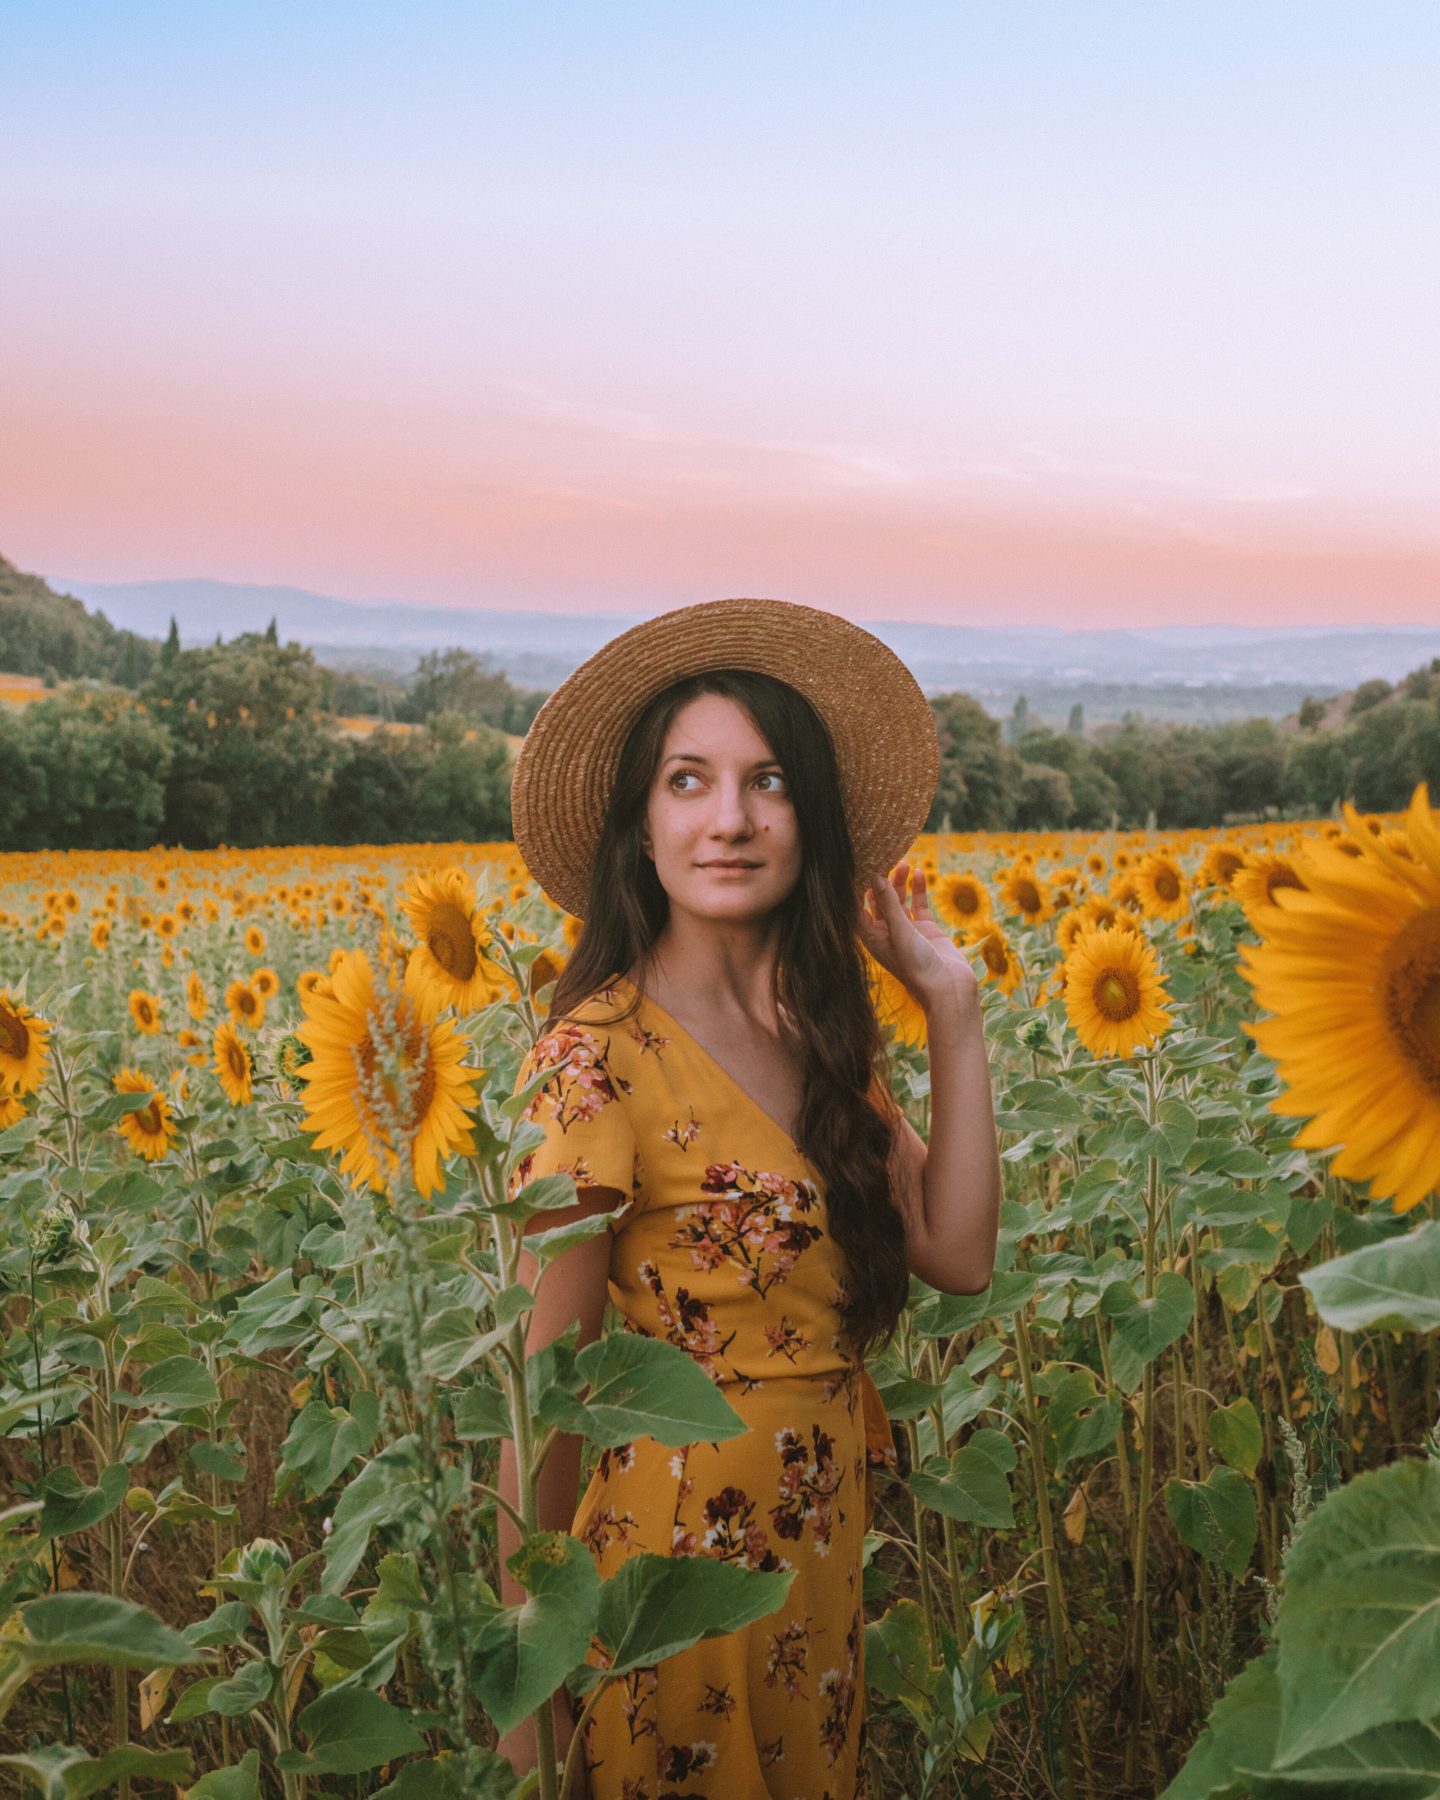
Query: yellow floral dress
(721, 1248)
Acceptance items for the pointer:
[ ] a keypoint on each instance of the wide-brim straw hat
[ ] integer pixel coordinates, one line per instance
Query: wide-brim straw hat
(878, 719)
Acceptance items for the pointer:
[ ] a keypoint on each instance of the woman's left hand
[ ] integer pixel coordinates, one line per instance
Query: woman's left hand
(910, 941)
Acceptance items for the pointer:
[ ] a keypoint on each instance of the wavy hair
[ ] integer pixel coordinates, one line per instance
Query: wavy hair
(820, 976)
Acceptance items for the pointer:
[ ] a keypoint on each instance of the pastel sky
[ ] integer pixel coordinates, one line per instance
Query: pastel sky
(1052, 311)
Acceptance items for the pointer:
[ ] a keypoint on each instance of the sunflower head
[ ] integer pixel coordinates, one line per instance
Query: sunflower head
(452, 964)
(1348, 968)
(1113, 992)
(145, 1011)
(233, 1064)
(24, 1047)
(149, 1130)
(385, 1077)
(246, 1006)
(196, 1000)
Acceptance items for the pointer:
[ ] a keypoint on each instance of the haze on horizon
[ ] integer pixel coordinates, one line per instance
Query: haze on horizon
(1113, 314)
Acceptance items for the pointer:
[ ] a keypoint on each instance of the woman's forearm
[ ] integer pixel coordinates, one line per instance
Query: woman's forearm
(961, 1185)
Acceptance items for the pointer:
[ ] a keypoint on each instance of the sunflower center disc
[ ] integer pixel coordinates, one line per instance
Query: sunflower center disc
(149, 1119)
(1117, 994)
(1166, 886)
(1410, 994)
(1028, 896)
(452, 943)
(14, 1038)
(239, 1065)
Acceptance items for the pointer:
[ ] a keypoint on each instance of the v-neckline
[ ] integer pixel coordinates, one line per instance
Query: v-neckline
(723, 1073)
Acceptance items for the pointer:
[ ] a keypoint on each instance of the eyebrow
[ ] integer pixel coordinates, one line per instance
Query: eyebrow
(767, 762)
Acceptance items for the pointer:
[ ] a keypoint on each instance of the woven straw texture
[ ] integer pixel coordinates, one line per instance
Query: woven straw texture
(878, 718)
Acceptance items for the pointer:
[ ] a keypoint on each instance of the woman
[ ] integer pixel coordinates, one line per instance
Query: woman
(719, 793)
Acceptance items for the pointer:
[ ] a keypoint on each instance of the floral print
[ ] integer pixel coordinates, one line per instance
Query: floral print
(721, 1248)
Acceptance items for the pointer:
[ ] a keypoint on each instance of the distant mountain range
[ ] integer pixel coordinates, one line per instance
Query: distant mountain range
(539, 649)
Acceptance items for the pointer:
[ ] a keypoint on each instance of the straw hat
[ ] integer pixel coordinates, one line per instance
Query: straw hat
(879, 722)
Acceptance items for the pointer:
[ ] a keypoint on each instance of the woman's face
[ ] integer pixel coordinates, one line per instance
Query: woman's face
(719, 796)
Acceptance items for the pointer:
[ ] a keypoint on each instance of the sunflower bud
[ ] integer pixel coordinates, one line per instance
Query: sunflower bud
(291, 1057)
(261, 1555)
(1034, 1033)
(52, 1234)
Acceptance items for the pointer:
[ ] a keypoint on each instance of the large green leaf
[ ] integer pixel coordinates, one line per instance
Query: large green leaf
(642, 1387)
(1359, 1619)
(95, 1628)
(1395, 1285)
(656, 1606)
(240, 1781)
(350, 1730)
(324, 1440)
(1215, 1516)
(527, 1651)
(178, 1384)
(897, 1659)
(1081, 1419)
(1240, 1733)
(972, 1487)
(63, 1772)
(942, 1315)
(69, 1505)
(1234, 1432)
(1146, 1327)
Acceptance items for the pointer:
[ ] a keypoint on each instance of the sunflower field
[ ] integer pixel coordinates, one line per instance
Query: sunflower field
(1166, 1510)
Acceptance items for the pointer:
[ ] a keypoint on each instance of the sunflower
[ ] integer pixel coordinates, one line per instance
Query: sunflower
(149, 1131)
(1160, 882)
(266, 983)
(312, 981)
(380, 1071)
(254, 940)
(1218, 867)
(1000, 963)
(1349, 969)
(191, 1041)
(233, 1064)
(145, 1011)
(245, 1006)
(167, 925)
(11, 1112)
(23, 1047)
(1113, 991)
(452, 965)
(895, 1005)
(100, 933)
(197, 1001)
(961, 901)
(1255, 884)
(545, 969)
(1025, 893)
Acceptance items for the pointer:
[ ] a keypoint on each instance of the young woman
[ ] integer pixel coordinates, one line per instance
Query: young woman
(720, 1093)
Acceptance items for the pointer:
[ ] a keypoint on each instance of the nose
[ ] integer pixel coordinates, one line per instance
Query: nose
(732, 813)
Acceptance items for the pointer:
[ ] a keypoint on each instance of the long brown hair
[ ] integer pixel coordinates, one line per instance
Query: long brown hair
(820, 973)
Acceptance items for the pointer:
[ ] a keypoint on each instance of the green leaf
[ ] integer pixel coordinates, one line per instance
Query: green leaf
(1146, 1327)
(240, 1781)
(1082, 1420)
(350, 1730)
(385, 1490)
(655, 1606)
(445, 1780)
(324, 1440)
(897, 1659)
(63, 1772)
(642, 1387)
(1240, 1733)
(250, 1686)
(527, 1651)
(1234, 1432)
(1359, 1619)
(972, 1487)
(1394, 1285)
(450, 1342)
(178, 1384)
(71, 1506)
(226, 1462)
(481, 1412)
(942, 1315)
(95, 1628)
(1215, 1516)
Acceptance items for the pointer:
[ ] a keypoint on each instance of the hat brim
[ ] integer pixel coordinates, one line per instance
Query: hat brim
(879, 722)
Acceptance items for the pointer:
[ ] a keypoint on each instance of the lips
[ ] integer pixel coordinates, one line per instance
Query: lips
(732, 866)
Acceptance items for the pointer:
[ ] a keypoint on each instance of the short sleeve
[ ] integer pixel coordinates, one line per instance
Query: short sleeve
(588, 1133)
